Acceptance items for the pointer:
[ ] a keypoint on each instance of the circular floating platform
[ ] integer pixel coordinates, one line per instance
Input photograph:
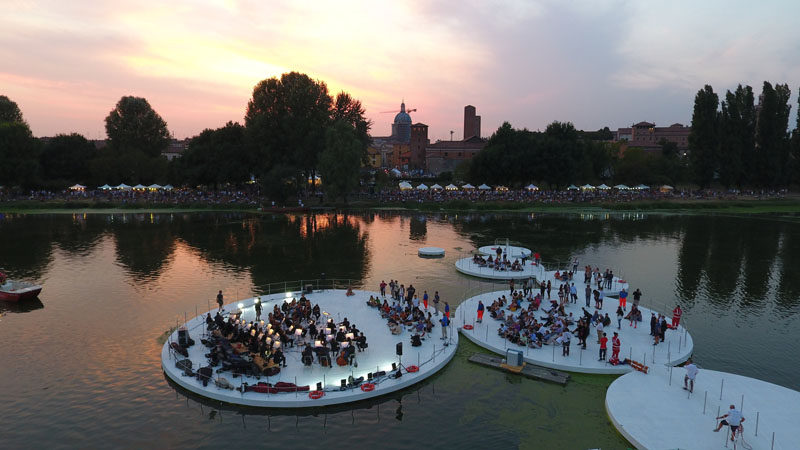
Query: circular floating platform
(430, 251)
(417, 363)
(653, 411)
(529, 270)
(511, 251)
(637, 344)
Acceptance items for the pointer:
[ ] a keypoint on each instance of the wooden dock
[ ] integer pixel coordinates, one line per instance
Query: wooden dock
(527, 370)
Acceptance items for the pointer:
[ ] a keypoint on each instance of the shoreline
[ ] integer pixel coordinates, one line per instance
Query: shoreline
(728, 206)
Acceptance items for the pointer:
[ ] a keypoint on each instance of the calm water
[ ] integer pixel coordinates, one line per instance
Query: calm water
(81, 368)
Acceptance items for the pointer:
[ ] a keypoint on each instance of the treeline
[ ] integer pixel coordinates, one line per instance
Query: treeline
(293, 130)
(740, 143)
(562, 155)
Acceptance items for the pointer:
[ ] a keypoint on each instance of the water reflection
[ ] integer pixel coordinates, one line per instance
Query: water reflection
(21, 307)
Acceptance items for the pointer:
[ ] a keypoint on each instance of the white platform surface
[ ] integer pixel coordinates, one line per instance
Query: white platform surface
(652, 414)
(529, 270)
(430, 357)
(431, 251)
(636, 342)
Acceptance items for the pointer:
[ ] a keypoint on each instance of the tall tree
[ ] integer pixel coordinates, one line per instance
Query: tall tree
(65, 160)
(285, 123)
(19, 162)
(795, 162)
(772, 139)
(703, 139)
(9, 111)
(737, 136)
(133, 125)
(340, 161)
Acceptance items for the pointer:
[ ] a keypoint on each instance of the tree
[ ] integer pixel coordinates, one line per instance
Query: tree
(216, 157)
(133, 125)
(350, 111)
(65, 160)
(340, 161)
(772, 138)
(795, 155)
(737, 134)
(9, 111)
(19, 162)
(285, 124)
(703, 139)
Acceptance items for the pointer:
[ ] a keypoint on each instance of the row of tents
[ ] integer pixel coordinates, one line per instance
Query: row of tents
(125, 187)
(405, 186)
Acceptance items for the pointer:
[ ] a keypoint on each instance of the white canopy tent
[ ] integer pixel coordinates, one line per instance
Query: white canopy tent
(105, 187)
(422, 187)
(122, 187)
(603, 187)
(501, 188)
(484, 187)
(621, 187)
(168, 187)
(642, 187)
(77, 187)
(572, 187)
(139, 187)
(405, 185)
(587, 187)
(396, 172)
(467, 186)
(532, 187)
(154, 187)
(451, 187)
(436, 187)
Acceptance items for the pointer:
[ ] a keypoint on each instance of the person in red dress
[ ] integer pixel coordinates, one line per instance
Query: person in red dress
(615, 346)
(676, 316)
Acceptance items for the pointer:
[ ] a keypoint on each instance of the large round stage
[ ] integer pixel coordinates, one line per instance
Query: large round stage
(468, 266)
(653, 410)
(636, 343)
(510, 251)
(416, 363)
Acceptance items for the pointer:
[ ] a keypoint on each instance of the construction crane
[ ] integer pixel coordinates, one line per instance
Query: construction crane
(397, 111)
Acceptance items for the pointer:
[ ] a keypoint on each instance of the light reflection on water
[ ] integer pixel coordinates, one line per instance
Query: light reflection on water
(82, 362)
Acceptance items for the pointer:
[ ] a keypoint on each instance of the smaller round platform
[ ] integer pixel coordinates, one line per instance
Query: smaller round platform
(511, 251)
(430, 251)
(529, 270)
(637, 344)
(417, 363)
(652, 411)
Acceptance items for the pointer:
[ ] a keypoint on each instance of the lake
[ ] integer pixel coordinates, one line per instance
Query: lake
(81, 365)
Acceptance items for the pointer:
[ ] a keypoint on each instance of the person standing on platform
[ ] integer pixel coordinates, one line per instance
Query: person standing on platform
(447, 310)
(603, 348)
(573, 292)
(436, 302)
(691, 374)
(258, 308)
(676, 316)
(588, 292)
(575, 265)
(564, 340)
(615, 346)
(537, 258)
(600, 333)
(637, 297)
(511, 286)
(480, 311)
(383, 288)
(734, 418)
(445, 323)
(425, 299)
(549, 287)
(220, 300)
(620, 315)
(623, 298)
(653, 323)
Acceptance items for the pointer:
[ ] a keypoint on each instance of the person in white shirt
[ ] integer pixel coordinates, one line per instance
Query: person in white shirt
(564, 340)
(734, 418)
(691, 374)
(599, 330)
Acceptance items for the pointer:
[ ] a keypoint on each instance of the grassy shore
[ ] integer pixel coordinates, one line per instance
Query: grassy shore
(788, 205)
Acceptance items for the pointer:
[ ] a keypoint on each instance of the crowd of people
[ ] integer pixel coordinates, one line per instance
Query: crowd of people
(407, 311)
(140, 196)
(257, 347)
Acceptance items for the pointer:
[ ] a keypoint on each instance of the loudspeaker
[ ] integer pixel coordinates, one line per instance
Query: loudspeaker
(369, 376)
(394, 367)
(319, 386)
(399, 349)
(344, 383)
(183, 338)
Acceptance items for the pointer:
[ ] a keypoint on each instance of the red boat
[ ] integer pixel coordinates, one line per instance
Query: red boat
(14, 291)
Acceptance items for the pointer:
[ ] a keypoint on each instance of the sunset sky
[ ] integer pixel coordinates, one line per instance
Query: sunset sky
(594, 63)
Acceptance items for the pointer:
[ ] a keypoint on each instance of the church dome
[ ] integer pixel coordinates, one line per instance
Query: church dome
(402, 116)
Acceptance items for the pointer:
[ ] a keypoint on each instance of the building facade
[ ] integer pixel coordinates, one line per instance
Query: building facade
(647, 135)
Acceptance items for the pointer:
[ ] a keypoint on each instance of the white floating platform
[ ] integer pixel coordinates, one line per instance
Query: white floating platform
(529, 270)
(652, 414)
(636, 342)
(430, 251)
(379, 356)
(511, 251)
